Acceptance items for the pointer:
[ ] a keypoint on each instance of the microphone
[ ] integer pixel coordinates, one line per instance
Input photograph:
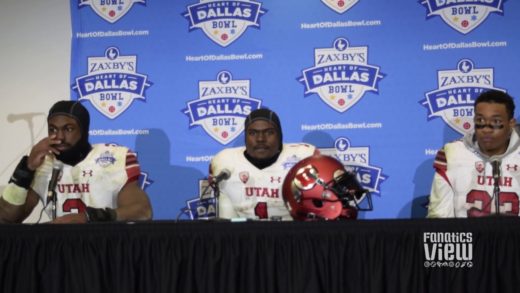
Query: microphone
(223, 175)
(496, 170)
(51, 190)
(496, 178)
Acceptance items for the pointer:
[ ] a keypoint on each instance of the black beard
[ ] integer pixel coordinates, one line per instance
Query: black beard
(262, 163)
(75, 154)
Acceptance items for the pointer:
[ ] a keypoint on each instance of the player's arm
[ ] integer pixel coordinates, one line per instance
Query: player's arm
(441, 198)
(12, 209)
(133, 204)
(18, 199)
(225, 207)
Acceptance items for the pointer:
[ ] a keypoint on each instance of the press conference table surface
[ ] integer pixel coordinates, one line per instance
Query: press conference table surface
(203, 256)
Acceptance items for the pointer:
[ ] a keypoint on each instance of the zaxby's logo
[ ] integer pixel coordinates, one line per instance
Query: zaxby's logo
(222, 107)
(463, 16)
(455, 96)
(112, 83)
(341, 75)
(224, 21)
(340, 6)
(110, 10)
(357, 160)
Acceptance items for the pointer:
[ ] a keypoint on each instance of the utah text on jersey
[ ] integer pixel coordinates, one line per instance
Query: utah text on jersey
(455, 96)
(341, 75)
(224, 21)
(222, 107)
(112, 82)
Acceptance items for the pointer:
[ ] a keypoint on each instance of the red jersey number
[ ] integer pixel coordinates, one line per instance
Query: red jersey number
(261, 210)
(74, 204)
(508, 203)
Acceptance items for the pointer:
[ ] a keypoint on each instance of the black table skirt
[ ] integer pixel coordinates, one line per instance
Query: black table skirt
(192, 256)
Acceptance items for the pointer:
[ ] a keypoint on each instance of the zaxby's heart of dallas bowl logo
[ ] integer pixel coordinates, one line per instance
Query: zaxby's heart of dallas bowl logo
(455, 96)
(341, 75)
(340, 6)
(357, 160)
(110, 10)
(224, 21)
(463, 16)
(112, 82)
(222, 107)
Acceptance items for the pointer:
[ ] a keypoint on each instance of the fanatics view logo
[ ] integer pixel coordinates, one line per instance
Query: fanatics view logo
(448, 249)
(112, 83)
(463, 16)
(341, 75)
(224, 21)
(340, 6)
(110, 10)
(357, 160)
(222, 107)
(455, 96)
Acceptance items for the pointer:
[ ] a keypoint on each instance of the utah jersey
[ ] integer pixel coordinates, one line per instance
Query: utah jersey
(94, 182)
(251, 192)
(463, 184)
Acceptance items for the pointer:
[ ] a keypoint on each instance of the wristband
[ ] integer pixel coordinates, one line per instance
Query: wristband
(100, 215)
(22, 175)
(15, 194)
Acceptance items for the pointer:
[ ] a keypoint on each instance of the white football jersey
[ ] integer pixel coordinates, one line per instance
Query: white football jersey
(94, 182)
(254, 193)
(463, 184)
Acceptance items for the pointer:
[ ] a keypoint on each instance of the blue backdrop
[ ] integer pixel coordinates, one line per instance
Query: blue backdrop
(381, 85)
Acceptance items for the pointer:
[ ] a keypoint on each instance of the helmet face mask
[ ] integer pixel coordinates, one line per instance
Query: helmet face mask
(319, 187)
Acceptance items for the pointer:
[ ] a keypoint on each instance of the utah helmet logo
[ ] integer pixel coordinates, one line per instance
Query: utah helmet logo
(222, 107)
(463, 16)
(224, 21)
(455, 96)
(110, 10)
(112, 83)
(340, 6)
(341, 75)
(357, 160)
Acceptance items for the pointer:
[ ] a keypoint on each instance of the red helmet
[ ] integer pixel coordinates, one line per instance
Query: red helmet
(320, 187)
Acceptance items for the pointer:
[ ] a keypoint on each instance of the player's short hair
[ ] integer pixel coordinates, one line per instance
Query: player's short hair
(498, 97)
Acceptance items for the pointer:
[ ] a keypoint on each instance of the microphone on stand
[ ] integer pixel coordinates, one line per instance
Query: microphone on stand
(214, 181)
(223, 175)
(496, 181)
(51, 190)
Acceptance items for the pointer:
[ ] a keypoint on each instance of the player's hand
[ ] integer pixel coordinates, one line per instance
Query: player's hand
(71, 219)
(41, 149)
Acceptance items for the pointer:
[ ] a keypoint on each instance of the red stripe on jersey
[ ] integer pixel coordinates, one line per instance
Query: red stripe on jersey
(441, 165)
(133, 169)
(440, 162)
